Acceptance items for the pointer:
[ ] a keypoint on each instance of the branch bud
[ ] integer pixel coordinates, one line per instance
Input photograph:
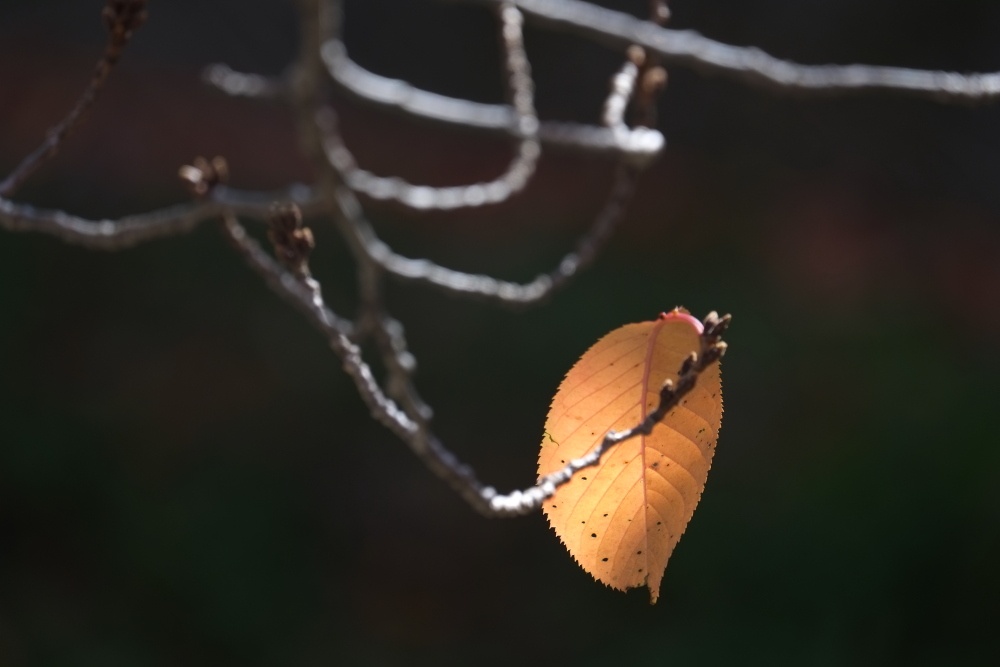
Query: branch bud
(202, 176)
(292, 242)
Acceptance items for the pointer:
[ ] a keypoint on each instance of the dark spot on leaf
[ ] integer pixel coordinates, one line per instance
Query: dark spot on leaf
(658, 523)
(583, 522)
(553, 507)
(656, 464)
(640, 569)
(637, 553)
(583, 478)
(593, 534)
(604, 560)
(605, 515)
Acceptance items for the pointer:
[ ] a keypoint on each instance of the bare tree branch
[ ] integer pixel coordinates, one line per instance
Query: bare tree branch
(122, 18)
(749, 64)
(294, 289)
(134, 229)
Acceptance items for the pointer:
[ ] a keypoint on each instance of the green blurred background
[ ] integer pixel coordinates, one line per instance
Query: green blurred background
(188, 478)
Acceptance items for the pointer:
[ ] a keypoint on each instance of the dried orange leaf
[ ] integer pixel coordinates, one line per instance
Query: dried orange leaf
(621, 519)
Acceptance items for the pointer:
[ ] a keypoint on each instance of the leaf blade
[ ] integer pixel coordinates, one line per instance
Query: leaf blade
(622, 519)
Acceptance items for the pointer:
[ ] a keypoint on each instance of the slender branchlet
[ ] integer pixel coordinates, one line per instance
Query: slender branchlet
(520, 90)
(133, 230)
(483, 287)
(122, 18)
(288, 286)
(749, 64)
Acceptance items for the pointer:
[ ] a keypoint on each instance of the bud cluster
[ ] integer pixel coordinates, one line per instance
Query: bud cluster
(292, 242)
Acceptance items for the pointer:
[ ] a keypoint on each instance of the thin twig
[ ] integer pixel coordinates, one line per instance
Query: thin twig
(622, 87)
(134, 229)
(485, 287)
(749, 64)
(122, 18)
(292, 288)
(383, 409)
(640, 144)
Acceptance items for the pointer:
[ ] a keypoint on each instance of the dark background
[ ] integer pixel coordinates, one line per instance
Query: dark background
(188, 478)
